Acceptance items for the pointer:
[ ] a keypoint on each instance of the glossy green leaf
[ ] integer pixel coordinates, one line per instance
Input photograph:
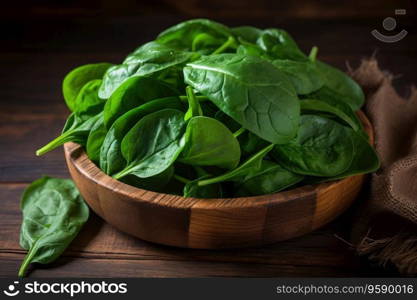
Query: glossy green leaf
(111, 158)
(343, 84)
(304, 75)
(209, 143)
(251, 91)
(147, 60)
(270, 178)
(77, 78)
(53, 214)
(153, 144)
(95, 140)
(251, 165)
(132, 93)
(189, 34)
(322, 148)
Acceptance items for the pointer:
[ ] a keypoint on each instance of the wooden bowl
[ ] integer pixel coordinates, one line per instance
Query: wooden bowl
(211, 223)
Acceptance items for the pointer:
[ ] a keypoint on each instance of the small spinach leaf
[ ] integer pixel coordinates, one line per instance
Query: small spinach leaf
(209, 143)
(95, 140)
(77, 78)
(53, 214)
(153, 144)
(111, 158)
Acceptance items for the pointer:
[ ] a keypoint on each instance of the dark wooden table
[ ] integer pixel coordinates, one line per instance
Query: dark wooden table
(36, 54)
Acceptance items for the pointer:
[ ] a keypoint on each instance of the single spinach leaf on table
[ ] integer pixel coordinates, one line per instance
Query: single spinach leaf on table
(77, 78)
(111, 158)
(251, 165)
(192, 34)
(304, 75)
(53, 214)
(322, 148)
(270, 178)
(153, 144)
(147, 60)
(251, 91)
(209, 143)
(341, 83)
(132, 93)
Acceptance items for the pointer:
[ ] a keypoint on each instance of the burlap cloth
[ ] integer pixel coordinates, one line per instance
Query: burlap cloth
(384, 227)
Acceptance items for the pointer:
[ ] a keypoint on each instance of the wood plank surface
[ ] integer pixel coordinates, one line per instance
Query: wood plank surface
(36, 54)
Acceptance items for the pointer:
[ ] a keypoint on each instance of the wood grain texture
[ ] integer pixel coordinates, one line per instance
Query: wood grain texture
(211, 223)
(100, 250)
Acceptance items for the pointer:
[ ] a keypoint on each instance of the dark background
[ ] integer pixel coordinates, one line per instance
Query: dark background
(43, 40)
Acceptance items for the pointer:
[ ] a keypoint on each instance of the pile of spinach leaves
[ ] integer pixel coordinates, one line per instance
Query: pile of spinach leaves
(208, 111)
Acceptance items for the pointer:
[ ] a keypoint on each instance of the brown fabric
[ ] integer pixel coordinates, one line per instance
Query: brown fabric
(385, 228)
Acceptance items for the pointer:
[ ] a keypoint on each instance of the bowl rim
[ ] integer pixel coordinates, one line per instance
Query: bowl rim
(77, 156)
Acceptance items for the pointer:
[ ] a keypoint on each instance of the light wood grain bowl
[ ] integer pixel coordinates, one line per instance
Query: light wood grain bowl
(211, 223)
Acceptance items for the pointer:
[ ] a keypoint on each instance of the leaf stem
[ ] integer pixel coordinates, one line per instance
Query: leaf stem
(239, 132)
(230, 42)
(55, 143)
(313, 54)
(26, 262)
(181, 179)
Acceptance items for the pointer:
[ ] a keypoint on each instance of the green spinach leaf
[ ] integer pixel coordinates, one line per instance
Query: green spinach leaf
(77, 78)
(304, 75)
(341, 83)
(251, 91)
(153, 144)
(132, 93)
(111, 158)
(322, 148)
(209, 143)
(252, 165)
(148, 60)
(270, 178)
(53, 214)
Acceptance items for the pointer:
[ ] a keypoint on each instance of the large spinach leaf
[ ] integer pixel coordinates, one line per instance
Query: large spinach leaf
(77, 78)
(251, 91)
(147, 60)
(209, 143)
(322, 148)
(153, 144)
(111, 158)
(53, 214)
